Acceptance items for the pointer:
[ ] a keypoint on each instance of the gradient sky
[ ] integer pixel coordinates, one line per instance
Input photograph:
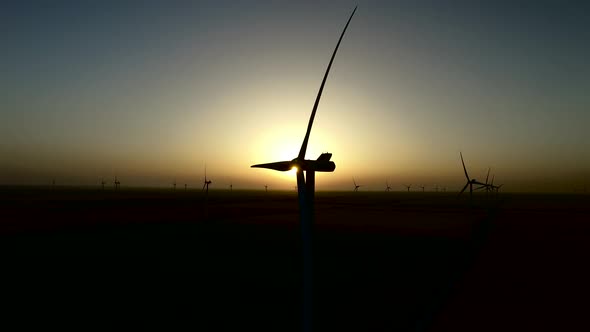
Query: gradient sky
(154, 91)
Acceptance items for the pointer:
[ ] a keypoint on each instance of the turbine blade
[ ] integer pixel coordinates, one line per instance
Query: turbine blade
(487, 176)
(492, 183)
(354, 182)
(317, 100)
(282, 166)
(465, 169)
(462, 190)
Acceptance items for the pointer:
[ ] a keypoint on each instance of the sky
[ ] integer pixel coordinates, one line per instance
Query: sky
(153, 92)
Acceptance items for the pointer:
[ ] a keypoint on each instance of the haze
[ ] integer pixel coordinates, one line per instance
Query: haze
(154, 92)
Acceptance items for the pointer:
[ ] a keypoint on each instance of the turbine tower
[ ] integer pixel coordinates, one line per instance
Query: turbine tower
(117, 183)
(422, 186)
(306, 192)
(387, 187)
(356, 186)
(408, 186)
(102, 183)
(470, 182)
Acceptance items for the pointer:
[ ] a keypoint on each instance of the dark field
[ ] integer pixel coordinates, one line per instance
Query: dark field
(83, 258)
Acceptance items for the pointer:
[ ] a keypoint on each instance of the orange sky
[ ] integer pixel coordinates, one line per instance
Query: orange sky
(154, 94)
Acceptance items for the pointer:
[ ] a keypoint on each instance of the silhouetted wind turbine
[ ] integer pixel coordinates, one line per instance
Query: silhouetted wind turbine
(174, 185)
(486, 185)
(408, 186)
(231, 187)
(493, 187)
(470, 182)
(387, 187)
(117, 183)
(206, 183)
(266, 188)
(102, 183)
(306, 191)
(356, 186)
(422, 186)
(185, 187)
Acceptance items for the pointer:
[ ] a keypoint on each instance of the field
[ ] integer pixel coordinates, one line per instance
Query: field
(75, 257)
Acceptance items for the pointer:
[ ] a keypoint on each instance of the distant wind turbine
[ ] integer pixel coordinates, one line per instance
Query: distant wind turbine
(206, 183)
(387, 186)
(422, 186)
(117, 183)
(174, 185)
(102, 183)
(408, 186)
(486, 186)
(356, 186)
(306, 192)
(266, 188)
(494, 188)
(470, 182)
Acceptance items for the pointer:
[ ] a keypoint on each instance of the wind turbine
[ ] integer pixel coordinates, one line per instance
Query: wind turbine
(387, 187)
(266, 188)
(356, 186)
(117, 183)
(102, 183)
(422, 186)
(408, 186)
(306, 192)
(470, 182)
(185, 187)
(206, 183)
(486, 186)
(493, 187)
(174, 184)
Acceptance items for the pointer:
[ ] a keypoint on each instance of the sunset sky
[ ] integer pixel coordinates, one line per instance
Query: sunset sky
(154, 91)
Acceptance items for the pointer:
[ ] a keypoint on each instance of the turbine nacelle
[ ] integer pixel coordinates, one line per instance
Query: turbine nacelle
(322, 164)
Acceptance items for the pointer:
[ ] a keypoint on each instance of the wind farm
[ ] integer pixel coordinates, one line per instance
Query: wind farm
(108, 107)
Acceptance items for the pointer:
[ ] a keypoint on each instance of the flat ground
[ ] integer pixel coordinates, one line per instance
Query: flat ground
(382, 261)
